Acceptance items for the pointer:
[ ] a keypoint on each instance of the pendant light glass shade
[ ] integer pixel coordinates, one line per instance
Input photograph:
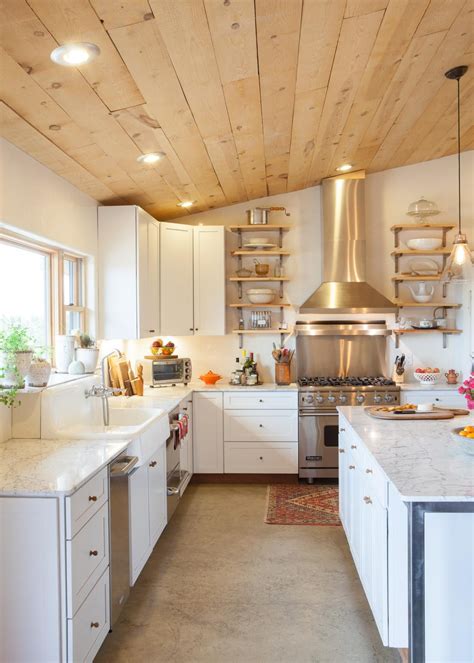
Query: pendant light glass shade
(459, 264)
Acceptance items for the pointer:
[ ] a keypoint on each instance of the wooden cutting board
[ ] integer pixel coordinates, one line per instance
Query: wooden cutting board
(436, 413)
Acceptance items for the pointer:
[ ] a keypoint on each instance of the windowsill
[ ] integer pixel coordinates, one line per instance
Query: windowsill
(55, 379)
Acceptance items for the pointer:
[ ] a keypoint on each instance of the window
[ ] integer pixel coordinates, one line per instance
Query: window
(41, 287)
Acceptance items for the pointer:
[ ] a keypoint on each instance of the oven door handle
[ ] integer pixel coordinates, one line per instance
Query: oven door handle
(318, 413)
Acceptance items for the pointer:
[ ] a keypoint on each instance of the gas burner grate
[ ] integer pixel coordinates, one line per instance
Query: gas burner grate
(350, 381)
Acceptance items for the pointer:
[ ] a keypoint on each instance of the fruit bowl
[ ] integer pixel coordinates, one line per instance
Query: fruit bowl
(428, 378)
(167, 351)
(466, 443)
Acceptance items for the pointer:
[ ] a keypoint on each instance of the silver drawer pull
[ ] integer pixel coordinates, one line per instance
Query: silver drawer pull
(92, 498)
(353, 446)
(369, 471)
(94, 624)
(352, 467)
(342, 451)
(342, 430)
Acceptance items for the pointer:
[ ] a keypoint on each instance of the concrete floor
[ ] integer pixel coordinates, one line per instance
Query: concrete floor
(223, 587)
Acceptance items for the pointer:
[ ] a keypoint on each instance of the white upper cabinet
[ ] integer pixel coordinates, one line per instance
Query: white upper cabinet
(192, 265)
(129, 305)
(209, 281)
(176, 264)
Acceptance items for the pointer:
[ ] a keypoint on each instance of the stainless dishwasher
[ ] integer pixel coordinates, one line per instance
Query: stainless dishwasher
(120, 471)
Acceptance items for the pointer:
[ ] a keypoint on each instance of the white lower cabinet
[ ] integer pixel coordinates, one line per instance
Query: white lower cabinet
(208, 438)
(54, 575)
(147, 494)
(439, 397)
(377, 537)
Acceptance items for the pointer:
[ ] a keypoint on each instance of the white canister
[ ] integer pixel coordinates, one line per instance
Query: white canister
(89, 357)
(64, 352)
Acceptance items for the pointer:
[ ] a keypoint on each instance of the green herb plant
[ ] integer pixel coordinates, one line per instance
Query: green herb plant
(14, 338)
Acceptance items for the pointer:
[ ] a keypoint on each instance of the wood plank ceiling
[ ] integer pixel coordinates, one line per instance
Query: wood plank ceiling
(246, 98)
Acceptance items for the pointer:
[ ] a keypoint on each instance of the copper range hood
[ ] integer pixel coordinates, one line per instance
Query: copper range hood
(344, 288)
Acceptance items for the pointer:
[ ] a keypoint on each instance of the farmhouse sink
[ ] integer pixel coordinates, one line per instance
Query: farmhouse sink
(125, 423)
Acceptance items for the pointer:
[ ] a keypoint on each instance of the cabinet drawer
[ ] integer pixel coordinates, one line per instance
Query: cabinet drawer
(85, 502)
(437, 397)
(261, 426)
(87, 558)
(285, 400)
(90, 625)
(251, 458)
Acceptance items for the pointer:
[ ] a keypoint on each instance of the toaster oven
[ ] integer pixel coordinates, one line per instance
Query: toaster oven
(172, 371)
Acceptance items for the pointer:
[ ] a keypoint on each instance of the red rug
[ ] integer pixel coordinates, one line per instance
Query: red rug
(303, 504)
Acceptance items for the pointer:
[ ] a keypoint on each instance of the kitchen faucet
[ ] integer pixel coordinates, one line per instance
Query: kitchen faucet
(103, 391)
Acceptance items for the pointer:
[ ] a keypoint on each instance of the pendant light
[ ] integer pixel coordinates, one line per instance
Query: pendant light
(458, 265)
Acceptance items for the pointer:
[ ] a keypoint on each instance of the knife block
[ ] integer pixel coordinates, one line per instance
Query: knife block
(398, 379)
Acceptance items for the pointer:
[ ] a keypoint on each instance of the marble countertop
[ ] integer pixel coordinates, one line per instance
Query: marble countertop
(52, 468)
(419, 457)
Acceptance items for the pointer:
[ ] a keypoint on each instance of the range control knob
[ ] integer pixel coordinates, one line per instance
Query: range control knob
(388, 398)
(331, 398)
(360, 398)
(377, 398)
(309, 398)
(342, 398)
(319, 398)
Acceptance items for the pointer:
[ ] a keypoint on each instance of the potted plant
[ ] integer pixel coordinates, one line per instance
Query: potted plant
(15, 355)
(40, 368)
(88, 353)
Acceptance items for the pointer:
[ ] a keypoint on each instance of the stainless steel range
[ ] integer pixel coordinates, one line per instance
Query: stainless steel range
(318, 419)
(340, 348)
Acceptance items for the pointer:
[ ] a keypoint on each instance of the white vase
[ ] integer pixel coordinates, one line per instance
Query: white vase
(38, 374)
(89, 357)
(15, 376)
(64, 352)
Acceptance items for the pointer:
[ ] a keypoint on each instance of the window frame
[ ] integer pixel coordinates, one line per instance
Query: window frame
(56, 315)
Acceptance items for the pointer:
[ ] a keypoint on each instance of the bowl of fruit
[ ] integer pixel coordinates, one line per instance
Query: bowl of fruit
(465, 438)
(158, 348)
(427, 376)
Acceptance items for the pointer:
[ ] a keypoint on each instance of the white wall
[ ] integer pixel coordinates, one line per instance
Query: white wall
(388, 195)
(38, 203)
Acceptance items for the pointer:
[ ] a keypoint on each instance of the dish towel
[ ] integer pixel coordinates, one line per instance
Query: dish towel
(183, 423)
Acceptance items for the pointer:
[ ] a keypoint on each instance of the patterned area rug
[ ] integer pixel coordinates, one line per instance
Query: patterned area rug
(303, 504)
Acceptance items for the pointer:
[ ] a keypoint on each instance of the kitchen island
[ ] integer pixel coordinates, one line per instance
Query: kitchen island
(407, 506)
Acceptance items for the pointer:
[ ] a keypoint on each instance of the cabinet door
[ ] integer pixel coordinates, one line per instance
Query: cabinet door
(209, 281)
(208, 433)
(157, 494)
(379, 569)
(176, 279)
(343, 481)
(148, 257)
(139, 521)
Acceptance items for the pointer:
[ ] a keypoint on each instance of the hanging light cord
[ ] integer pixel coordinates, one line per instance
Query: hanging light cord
(459, 153)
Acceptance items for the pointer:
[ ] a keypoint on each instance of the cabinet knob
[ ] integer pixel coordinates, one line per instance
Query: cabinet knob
(342, 451)
(342, 430)
(93, 553)
(261, 425)
(196, 329)
(352, 467)
(353, 446)
(92, 498)
(261, 457)
(94, 624)
(367, 500)
(369, 471)
(151, 331)
(260, 400)
(153, 463)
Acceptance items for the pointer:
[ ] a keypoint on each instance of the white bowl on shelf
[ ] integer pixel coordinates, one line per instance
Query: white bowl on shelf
(424, 243)
(261, 295)
(427, 379)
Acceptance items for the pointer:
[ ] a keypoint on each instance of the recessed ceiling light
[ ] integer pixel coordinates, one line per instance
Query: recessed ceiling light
(73, 55)
(186, 203)
(344, 168)
(151, 157)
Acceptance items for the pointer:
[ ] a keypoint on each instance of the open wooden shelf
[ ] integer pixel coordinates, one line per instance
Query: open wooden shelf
(260, 306)
(423, 226)
(261, 227)
(439, 330)
(431, 252)
(410, 277)
(425, 305)
(259, 252)
(249, 279)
